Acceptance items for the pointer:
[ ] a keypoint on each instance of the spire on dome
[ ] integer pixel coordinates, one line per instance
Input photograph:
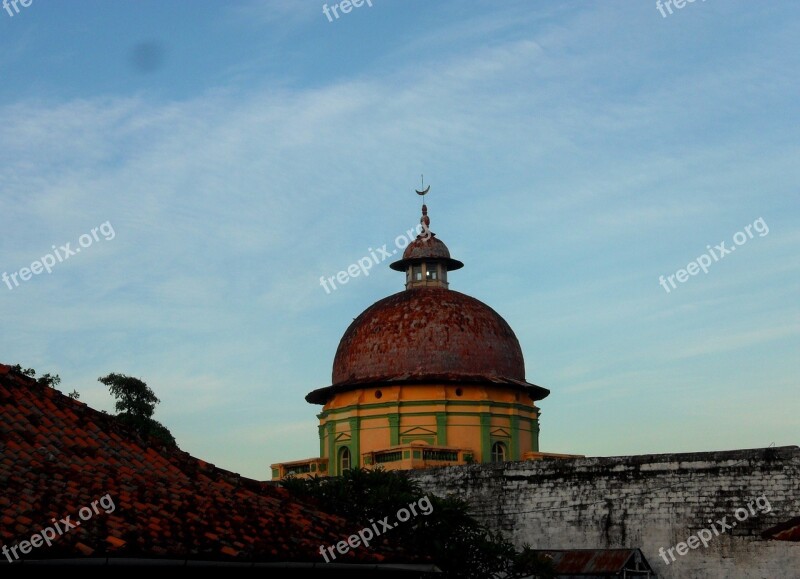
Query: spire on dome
(424, 221)
(426, 260)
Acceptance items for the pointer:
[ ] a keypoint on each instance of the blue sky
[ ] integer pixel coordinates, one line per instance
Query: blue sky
(576, 151)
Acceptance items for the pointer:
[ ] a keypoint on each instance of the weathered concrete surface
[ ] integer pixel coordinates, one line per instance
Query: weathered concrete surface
(645, 501)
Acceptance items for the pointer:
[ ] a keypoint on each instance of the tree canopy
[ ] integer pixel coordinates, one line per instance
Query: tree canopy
(136, 404)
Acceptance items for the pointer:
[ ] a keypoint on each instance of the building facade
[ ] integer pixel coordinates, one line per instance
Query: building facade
(426, 377)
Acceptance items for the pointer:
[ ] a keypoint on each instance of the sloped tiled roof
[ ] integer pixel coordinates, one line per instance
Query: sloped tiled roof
(57, 455)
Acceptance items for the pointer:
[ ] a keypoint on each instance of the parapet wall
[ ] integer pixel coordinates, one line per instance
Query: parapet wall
(653, 502)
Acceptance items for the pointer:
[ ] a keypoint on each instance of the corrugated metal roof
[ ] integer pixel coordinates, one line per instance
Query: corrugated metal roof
(594, 562)
(786, 531)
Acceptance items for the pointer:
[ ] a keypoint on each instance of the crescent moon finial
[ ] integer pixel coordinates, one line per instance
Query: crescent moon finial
(424, 191)
(424, 221)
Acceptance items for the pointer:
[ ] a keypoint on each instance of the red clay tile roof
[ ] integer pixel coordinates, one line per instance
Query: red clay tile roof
(57, 455)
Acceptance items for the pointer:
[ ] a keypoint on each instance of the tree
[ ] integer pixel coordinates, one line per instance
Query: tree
(449, 535)
(135, 405)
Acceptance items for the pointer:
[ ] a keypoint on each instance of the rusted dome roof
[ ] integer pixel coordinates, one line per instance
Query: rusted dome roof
(428, 334)
(426, 248)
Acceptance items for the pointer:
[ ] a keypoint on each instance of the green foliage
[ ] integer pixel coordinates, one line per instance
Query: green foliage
(30, 372)
(148, 428)
(46, 379)
(449, 535)
(133, 396)
(75, 395)
(136, 404)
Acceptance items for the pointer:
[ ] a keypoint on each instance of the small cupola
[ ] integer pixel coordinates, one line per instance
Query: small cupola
(426, 260)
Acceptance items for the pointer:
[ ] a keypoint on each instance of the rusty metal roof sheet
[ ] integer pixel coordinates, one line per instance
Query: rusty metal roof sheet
(786, 531)
(596, 562)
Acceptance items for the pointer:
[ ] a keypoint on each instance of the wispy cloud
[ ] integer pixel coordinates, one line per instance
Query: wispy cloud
(570, 163)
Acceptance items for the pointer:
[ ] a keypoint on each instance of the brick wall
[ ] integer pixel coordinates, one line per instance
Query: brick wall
(645, 501)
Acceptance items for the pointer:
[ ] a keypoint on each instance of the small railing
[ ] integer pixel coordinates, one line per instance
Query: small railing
(444, 455)
(388, 457)
(299, 469)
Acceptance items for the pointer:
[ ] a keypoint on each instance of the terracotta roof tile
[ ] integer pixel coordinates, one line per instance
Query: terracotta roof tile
(85, 549)
(114, 541)
(58, 455)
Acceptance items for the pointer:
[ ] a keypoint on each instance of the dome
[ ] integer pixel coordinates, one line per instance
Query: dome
(428, 334)
(426, 248)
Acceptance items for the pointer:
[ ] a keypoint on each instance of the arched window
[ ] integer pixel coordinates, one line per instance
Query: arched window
(498, 452)
(344, 459)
